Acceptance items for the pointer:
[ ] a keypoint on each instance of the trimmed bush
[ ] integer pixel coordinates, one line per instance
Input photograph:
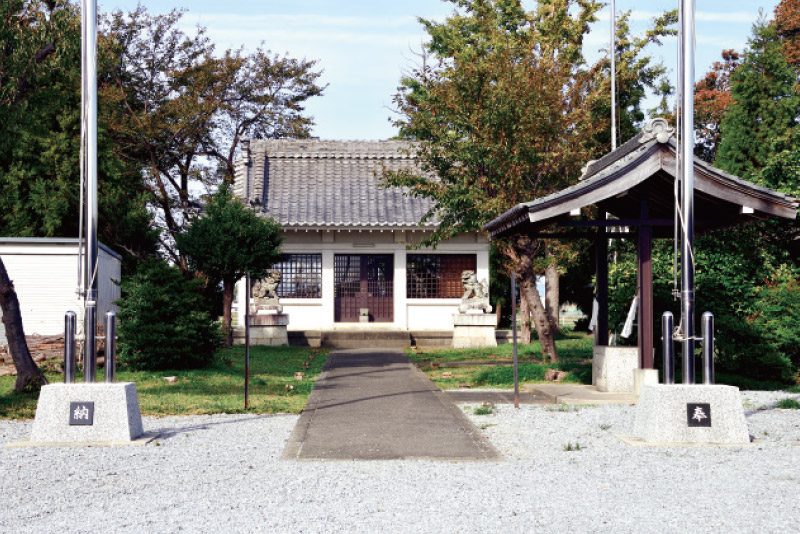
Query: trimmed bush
(163, 321)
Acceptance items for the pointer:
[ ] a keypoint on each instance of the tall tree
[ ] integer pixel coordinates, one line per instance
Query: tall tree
(637, 74)
(499, 119)
(498, 108)
(712, 96)
(787, 22)
(227, 242)
(32, 34)
(180, 110)
(765, 104)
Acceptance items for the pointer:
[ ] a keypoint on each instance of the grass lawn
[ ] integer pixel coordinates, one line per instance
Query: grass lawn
(574, 350)
(218, 388)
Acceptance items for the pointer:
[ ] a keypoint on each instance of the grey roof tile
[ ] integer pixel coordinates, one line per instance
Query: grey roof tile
(332, 183)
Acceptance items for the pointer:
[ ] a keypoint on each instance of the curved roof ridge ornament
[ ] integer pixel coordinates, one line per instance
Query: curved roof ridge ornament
(658, 129)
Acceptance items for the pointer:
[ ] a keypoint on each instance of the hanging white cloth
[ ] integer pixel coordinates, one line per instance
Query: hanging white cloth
(595, 311)
(627, 330)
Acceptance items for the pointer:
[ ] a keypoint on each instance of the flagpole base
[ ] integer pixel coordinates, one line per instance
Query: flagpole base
(690, 414)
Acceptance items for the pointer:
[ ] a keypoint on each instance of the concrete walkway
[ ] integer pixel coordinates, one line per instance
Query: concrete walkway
(578, 394)
(373, 404)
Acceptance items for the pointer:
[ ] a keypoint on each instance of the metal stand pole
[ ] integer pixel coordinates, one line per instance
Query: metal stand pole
(514, 335)
(613, 55)
(90, 324)
(667, 326)
(89, 346)
(687, 192)
(247, 343)
(69, 348)
(111, 346)
(707, 329)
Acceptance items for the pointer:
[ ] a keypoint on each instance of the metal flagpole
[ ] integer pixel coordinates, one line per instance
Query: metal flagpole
(247, 342)
(687, 191)
(90, 322)
(514, 335)
(613, 54)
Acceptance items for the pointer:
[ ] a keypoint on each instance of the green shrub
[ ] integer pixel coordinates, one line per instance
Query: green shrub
(778, 313)
(163, 321)
(532, 372)
(788, 404)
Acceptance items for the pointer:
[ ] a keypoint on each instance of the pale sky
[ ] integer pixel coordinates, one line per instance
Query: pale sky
(364, 46)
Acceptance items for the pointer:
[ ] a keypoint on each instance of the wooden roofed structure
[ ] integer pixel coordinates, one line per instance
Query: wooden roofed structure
(636, 185)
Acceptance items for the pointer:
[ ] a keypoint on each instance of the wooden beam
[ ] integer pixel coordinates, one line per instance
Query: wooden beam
(604, 223)
(644, 257)
(601, 289)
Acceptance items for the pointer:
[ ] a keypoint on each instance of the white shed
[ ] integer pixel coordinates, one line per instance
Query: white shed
(45, 275)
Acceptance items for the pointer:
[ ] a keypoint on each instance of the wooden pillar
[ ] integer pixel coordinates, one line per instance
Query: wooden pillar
(601, 286)
(644, 256)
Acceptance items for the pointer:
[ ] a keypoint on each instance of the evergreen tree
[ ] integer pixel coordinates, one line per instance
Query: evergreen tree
(227, 242)
(765, 105)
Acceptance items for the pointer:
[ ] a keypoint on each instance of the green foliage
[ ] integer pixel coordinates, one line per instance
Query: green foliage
(788, 404)
(533, 372)
(765, 105)
(163, 323)
(777, 313)
(636, 74)
(484, 410)
(39, 137)
(229, 240)
(570, 447)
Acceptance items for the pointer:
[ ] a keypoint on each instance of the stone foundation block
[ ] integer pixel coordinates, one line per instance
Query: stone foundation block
(112, 409)
(472, 330)
(613, 367)
(644, 377)
(272, 336)
(696, 413)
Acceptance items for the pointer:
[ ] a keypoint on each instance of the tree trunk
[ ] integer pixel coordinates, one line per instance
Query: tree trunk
(541, 319)
(524, 321)
(227, 304)
(29, 376)
(551, 296)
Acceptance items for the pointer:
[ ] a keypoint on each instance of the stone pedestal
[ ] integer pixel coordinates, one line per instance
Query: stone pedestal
(269, 329)
(613, 368)
(690, 414)
(473, 330)
(644, 377)
(91, 414)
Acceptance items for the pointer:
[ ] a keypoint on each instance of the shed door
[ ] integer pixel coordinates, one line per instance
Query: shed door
(365, 282)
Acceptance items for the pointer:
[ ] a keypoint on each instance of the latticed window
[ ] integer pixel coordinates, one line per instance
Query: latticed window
(301, 276)
(437, 276)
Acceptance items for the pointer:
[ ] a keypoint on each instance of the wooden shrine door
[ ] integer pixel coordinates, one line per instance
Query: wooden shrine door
(363, 282)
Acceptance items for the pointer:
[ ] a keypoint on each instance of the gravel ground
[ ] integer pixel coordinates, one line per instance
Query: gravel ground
(223, 473)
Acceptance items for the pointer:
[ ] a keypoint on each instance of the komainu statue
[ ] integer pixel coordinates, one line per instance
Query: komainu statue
(476, 294)
(265, 295)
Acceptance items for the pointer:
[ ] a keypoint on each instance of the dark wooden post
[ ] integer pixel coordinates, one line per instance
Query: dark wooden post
(601, 285)
(644, 256)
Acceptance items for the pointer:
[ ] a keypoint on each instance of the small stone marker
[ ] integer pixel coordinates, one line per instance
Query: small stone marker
(446, 374)
(81, 413)
(170, 379)
(299, 376)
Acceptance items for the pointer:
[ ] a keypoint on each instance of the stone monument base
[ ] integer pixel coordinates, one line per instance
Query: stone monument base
(613, 368)
(87, 414)
(269, 329)
(473, 330)
(644, 377)
(683, 414)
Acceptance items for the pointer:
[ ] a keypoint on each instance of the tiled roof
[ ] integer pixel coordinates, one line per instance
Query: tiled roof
(309, 183)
